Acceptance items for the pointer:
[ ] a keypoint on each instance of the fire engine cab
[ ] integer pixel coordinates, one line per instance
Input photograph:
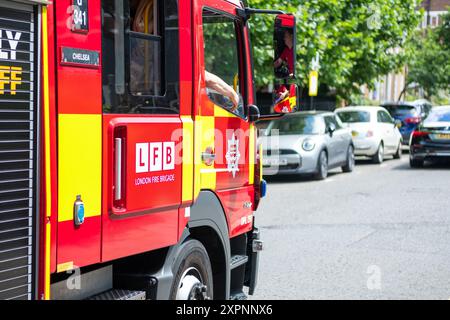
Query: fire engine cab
(123, 174)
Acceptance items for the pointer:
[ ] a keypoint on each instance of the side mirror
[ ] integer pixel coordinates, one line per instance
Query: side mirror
(285, 98)
(398, 123)
(284, 41)
(253, 113)
(331, 129)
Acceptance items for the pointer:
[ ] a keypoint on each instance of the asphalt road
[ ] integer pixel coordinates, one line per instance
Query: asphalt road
(381, 232)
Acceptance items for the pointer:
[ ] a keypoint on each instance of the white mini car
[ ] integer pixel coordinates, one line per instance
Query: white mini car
(375, 133)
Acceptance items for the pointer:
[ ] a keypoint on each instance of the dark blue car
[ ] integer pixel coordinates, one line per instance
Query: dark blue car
(411, 115)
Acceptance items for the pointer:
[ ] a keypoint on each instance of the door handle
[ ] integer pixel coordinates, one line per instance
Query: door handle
(118, 169)
(119, 164)
(208, 156)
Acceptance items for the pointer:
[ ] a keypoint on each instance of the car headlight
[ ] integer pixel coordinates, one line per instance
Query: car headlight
(308, 145)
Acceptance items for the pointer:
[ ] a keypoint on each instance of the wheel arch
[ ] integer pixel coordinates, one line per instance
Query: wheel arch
(324, 148)
(207, 224)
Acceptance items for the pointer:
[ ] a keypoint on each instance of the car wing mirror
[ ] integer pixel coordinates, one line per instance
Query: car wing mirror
(331, 129)
(284, 98)
(284, 41)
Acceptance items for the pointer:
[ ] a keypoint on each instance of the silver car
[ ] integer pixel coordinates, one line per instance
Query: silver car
(310, 142)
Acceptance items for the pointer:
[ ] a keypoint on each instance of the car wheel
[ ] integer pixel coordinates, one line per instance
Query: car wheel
(322, 166)
(415, 163)
(398, 153)
(379, 156)
(350, 163)
(193, 274)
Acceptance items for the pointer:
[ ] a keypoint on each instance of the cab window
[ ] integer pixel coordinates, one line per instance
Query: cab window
(222, 59)
(383, 117)
(140, 56)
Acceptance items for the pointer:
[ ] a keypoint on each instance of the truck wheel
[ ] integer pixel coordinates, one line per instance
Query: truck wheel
(350, 163)
(193, 273)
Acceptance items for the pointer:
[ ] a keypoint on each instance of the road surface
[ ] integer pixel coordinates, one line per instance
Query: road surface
(381, 232)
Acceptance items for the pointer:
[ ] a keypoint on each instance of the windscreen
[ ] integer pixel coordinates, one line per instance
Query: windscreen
(301, 125)
(439, 115)
(399, 110)
(354, 116)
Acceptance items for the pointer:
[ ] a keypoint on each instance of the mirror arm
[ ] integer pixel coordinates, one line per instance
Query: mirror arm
(246, 13)
(269, 117)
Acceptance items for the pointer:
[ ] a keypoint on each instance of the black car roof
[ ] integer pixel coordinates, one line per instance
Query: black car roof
(310, 113)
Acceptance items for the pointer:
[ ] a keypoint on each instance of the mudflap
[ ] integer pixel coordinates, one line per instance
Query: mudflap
(254, 247)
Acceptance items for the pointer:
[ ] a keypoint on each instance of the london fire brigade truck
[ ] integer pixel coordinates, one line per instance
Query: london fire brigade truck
(123, 173)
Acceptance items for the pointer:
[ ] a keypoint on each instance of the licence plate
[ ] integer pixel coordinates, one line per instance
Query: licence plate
(443, 136)
(274, 162)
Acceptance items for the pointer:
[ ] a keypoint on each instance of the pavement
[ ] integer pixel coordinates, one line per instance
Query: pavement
(381, 232)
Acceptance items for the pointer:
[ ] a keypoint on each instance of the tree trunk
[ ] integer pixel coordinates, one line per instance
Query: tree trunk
(403, 91)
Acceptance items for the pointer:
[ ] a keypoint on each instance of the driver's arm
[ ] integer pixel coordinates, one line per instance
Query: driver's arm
(215, 83)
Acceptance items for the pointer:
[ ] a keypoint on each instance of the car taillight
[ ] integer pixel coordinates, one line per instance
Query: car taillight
(417, 134)
(369, 134)
(413, 120)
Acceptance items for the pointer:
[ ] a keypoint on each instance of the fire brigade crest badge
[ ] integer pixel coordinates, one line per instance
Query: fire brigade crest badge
(233, 155)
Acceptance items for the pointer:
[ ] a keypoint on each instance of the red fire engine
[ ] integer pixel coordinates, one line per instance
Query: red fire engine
(122, 174)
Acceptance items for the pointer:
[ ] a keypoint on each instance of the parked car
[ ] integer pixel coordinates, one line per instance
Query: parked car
(375, 133)
(410, 114)
(432, 138)
(311, 142)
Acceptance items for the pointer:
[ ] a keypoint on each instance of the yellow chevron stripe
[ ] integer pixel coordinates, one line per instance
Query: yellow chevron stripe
(48, 188)
(204, 138)
(80, 163)
(188, 158)
(251, 157)
(260, 163)
(222, 113)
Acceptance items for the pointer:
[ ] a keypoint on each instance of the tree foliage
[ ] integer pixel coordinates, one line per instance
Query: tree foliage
(429, 61)
(357, 40)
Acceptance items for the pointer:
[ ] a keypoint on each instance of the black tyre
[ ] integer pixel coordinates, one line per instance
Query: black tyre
(378, 158)
(350, 163)
(192, 273)
(322, 166)
(398, 153)
(415, 163)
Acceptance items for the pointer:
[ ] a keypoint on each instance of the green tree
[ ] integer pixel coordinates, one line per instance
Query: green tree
(357, 40)
(429, 61)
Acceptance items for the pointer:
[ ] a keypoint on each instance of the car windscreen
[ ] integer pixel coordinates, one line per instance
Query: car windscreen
(354, 116)
(439, 115)
(304, 124)
(401, 110)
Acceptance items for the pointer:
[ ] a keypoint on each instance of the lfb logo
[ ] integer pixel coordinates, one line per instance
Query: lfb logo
(155, 156)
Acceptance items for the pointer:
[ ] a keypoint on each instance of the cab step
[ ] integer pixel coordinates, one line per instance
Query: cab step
(237, 261)
(238, 296)
(119, 294)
